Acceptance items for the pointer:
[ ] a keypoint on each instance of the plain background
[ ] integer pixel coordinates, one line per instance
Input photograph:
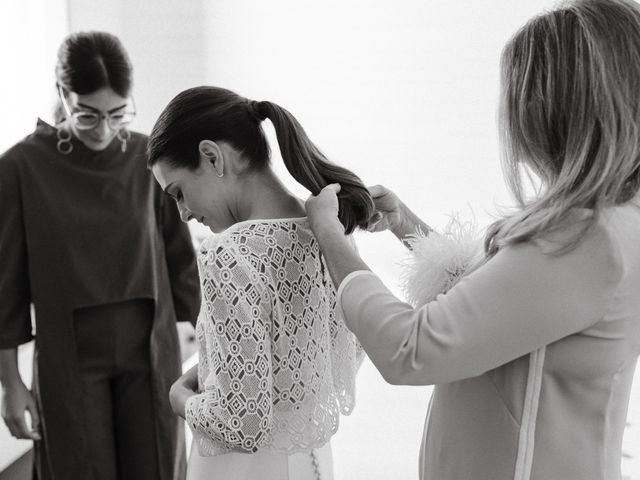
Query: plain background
(403, 93)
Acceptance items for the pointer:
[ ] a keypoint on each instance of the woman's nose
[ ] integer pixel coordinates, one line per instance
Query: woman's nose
(103, 128)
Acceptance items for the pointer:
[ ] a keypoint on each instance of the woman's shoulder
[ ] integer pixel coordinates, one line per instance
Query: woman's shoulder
(584, 243)
(10, 157)
(621, 226)
(220, 249)
(23, 149)
(263, 234)
(223, 258)
(259, 241)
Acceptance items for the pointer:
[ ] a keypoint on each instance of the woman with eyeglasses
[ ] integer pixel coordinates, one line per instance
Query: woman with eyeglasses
(88, 239)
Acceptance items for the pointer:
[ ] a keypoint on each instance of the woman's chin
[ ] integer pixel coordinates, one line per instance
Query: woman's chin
(96, 144)
(205, 222)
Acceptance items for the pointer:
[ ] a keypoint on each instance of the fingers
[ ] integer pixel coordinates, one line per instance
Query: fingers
(377, 191)
(379, 226)
(375, 219)
(323, 209)
(18, 428)
(188, 381)
(14, 415)
(336, 187)
(327, 197)
(35, 421)
(178, 396)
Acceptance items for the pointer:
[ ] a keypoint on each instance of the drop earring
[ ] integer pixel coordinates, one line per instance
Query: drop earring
(123, 135)
(64, 145)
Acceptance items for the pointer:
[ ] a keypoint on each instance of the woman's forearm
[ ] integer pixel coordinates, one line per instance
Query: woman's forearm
(409, 224)
(9, 373)
(339, 255)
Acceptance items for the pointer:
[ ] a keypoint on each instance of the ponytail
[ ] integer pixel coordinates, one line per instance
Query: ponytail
(309, 166)
(219, 114)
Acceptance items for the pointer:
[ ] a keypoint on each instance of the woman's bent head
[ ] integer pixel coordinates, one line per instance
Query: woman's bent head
(94, 78)
(203, 122)
(570, 112)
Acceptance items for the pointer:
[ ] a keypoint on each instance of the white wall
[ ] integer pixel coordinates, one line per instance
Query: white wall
(30, 32)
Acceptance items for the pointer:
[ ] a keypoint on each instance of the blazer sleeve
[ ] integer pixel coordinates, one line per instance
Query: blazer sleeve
(15, 294)
(234, 408)
(520, 300)
(181, 262)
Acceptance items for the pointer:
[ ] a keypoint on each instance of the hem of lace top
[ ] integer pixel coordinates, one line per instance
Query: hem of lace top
(209, 448)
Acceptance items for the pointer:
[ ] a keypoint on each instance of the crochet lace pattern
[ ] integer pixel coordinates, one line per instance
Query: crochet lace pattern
(277, 364)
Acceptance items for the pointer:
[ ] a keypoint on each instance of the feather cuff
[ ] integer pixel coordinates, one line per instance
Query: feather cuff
(438, 260)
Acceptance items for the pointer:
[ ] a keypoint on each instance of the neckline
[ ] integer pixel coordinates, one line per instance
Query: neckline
(251, 221)
(267, 220)
(216, 236)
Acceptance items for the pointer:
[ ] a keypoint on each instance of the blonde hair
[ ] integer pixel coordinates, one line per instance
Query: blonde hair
(570, 112)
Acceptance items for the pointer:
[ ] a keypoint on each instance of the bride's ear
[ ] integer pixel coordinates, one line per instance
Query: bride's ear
(211, 156)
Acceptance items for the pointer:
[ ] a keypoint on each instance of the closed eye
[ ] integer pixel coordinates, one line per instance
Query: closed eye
(177, 196)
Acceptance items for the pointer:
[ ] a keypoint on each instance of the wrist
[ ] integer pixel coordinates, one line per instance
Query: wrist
(11, 379)
(12, 386)
(327, 227)
(404, 225)
(178, 396)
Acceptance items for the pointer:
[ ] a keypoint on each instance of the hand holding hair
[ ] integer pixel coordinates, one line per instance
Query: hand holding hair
(388, 214)
(323, 209)
(322, 212)
(392, 214)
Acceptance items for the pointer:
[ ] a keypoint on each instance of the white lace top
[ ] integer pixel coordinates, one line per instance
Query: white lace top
(277, 365)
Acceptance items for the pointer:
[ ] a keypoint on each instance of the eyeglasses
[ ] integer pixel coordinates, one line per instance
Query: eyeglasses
(86, 120)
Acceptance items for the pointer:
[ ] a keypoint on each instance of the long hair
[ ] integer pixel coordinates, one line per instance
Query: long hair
(89, 61)
(218, 114)
(570, 114)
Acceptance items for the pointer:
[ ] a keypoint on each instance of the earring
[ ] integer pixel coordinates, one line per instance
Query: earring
(123, 135)
(220, 175)
(64, 144)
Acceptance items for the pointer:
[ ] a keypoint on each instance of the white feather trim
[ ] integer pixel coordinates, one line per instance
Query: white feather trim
(438, 260)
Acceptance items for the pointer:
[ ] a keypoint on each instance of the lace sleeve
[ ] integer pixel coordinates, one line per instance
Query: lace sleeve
(234, 408)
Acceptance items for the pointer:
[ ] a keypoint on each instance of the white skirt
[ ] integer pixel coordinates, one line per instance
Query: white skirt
(315, 465)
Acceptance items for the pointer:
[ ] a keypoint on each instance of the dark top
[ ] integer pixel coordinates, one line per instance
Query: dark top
(89, 228)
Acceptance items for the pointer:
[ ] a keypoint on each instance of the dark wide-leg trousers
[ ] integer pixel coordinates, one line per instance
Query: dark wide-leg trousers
(113, 351)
